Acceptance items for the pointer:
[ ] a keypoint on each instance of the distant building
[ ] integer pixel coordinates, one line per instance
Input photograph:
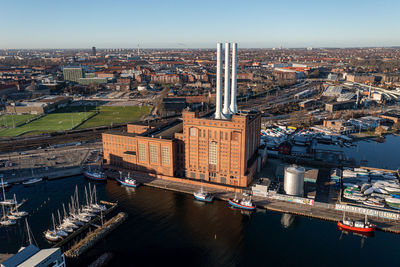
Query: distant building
(360, 78)
(34, 257)
(94, 51)
(331, 107)
(392, 115)
(95, 80)
(339, 126)
(38, 106)
(72, 74)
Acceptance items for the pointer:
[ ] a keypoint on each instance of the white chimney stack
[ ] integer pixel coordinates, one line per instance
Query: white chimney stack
(234, 107)
(218, 102)
(226, 111)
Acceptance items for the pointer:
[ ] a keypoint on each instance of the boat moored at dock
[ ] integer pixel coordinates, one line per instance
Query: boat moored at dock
(356, 226)
(203, 196)
(128, 181)
(245, 204)
(95, 176)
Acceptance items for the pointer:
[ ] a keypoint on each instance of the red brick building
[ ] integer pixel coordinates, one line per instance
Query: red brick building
(195, 148)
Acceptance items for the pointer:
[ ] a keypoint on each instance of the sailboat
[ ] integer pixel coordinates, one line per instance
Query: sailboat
(6, 201)
(95, 204)
(6, 221)
(15, 211)
(203, 196)
(52, 235)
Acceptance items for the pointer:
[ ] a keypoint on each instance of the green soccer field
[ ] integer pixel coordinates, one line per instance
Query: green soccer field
(53, 122)
(116, 114)
(11, 121)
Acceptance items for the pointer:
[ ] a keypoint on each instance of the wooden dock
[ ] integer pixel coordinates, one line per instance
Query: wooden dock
(86, 225)
(92, 238)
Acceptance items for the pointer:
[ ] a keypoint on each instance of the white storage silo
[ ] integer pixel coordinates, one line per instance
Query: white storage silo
(293, 183)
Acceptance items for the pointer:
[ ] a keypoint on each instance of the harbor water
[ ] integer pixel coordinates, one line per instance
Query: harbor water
(170, 228)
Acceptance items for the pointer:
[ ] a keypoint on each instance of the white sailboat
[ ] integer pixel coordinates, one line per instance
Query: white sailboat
(5, 221)
(52, 235)
(6, 201)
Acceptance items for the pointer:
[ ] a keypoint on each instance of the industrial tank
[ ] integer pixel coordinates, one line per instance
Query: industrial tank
(294, 181)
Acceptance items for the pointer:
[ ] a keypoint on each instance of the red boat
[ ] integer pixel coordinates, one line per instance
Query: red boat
(356, 226)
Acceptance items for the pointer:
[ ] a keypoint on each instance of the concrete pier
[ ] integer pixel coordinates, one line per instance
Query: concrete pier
(311, 211)
(93, 237)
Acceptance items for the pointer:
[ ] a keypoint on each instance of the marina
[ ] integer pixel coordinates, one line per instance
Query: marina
(287, 206)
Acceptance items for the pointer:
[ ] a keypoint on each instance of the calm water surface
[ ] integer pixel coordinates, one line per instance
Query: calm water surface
(168, 228)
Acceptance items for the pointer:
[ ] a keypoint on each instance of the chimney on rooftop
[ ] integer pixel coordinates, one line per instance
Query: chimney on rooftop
(234, 107)
(218, 102)
(226, 111)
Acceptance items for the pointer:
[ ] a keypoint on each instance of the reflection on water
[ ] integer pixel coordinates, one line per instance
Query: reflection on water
(169, 228)
(287, 220)
(375, 154)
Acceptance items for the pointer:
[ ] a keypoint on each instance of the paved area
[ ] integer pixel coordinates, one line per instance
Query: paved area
(51, 162)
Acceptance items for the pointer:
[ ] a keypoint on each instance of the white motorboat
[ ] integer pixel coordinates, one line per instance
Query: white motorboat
(32, 181)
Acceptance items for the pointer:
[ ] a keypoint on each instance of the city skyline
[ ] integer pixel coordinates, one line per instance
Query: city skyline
(178, 24)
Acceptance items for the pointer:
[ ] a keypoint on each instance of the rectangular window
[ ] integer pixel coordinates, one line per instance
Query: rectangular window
(142, 152)
(192, 175)
(223, 180)
(153, 154)
(165, 155)
(212, 153)
(202, 176)
(193, 131)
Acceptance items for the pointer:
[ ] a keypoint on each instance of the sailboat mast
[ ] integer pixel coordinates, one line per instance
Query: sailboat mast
(95, 194)
(16, 204)
(28, 231)
(2, 186)
(59, 217)
(77, 197)
(54, 224)
(90, 194)
(65, 212)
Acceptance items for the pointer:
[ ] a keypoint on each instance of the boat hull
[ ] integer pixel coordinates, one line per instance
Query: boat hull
(239, 206)
(128, 184)
(94, 178)
(32, 182)
(204, 199)
(342, 226)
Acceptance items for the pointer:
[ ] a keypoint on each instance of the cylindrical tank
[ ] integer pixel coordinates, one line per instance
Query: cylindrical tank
(294, 181)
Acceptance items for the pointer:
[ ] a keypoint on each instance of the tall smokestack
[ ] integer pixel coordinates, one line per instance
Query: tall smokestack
(227, 98)
(218, 101)
(233, 106)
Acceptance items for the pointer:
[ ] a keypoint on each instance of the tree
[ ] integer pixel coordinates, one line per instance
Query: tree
(379, 130)
(396, 126)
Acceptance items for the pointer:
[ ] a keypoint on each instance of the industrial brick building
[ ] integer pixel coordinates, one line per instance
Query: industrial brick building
(196, 147)
(221, 148)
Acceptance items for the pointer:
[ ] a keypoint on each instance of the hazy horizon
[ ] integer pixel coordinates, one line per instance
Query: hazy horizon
(159, 24)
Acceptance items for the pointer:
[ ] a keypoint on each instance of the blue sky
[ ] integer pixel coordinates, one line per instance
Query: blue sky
(192, 24)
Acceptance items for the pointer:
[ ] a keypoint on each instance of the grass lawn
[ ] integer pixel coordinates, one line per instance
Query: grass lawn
(116, 114)
(8, 121)
(58, 121)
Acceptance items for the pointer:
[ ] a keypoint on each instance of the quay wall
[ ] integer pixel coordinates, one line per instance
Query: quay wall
(95, 236)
